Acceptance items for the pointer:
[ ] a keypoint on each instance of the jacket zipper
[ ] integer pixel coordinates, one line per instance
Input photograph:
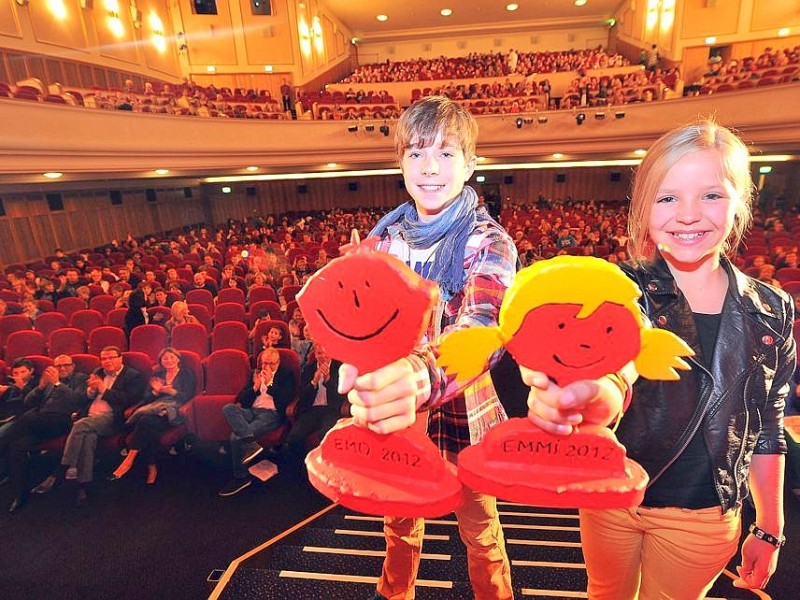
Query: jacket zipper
(745, 433)
(693, 430)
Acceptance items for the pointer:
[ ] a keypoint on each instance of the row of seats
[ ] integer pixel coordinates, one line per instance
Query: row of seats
(18, 339)
(220, 377)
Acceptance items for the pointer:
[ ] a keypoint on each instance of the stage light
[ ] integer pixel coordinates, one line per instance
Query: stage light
(580, 118)
(619, 115)
(519, 122)
(369, 128)
(352, 128)
(384, 129)
(542, 119)
(599, 116)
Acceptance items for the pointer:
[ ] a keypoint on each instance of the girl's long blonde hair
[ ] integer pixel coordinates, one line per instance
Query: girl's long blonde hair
(661, 157)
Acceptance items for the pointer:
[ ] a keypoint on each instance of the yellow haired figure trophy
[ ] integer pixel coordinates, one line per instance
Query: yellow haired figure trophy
(573, 318)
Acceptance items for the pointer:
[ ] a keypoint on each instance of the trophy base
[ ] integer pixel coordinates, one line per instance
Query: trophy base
(399, 474)
(518, 462)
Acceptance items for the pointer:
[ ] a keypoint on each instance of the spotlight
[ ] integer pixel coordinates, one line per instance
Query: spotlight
(519, 122)
(619, 115)
(384, 129)
(542, 119)
(528, 120)
(369, 128)
(580, 118)
(599, 116)
(352, 128)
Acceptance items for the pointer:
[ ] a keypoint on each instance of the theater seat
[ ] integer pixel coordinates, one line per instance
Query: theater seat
(23, 343)
(106, 336)
(86, 320)
(48, 322)
(226, 374)
(150, 339)
(230, 334)
(68, 340)
(192, 337)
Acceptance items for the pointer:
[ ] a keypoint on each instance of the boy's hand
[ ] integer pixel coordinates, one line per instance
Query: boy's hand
(559, 410)
(384, 400)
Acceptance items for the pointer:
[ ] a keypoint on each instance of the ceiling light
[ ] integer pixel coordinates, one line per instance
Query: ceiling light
(512, 6)
(446, 12)
(332, 165)
(480, 178)
(161, 171)
(580, 2)
(557, 155)
(53, 175)
(211, 69)
(268, 68)
(251, 168)
(382, 18)
(783, 31)
(481, 158)
(226, 190)
(640, 152)
(765, 169)
(711, 40)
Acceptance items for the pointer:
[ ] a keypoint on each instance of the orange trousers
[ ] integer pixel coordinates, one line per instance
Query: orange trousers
(656, 553)
(479, 529)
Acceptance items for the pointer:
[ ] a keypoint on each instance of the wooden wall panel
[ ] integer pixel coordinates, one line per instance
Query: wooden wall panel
(30, 230)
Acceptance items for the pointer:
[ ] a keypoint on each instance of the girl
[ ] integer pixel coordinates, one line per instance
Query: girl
(716, 435)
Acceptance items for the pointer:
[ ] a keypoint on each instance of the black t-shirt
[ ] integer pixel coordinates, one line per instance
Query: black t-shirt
(689, 481)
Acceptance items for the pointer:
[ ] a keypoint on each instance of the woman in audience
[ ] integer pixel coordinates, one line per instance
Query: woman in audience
(180, 315)
(137, 312)
(171, 386)
(690, 204)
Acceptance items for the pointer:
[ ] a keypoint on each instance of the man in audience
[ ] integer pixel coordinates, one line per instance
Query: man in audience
(22, 381)
(260, 407)
(49, 406)
(201, 282)
(110, 389)
(320, 405)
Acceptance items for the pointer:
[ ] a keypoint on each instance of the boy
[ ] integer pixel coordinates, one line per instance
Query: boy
(444, 236)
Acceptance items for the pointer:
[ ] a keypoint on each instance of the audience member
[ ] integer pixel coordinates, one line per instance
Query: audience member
(260, 407)
(170, 387)
(48, 408)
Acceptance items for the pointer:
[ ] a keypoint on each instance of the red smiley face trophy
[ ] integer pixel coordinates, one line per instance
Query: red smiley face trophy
(368, 309)
(572, 318)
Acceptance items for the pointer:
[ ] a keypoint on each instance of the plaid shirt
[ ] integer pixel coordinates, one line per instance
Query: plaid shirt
(461, 414)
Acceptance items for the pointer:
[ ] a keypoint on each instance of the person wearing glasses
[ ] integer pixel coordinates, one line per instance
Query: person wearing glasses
(260, 407)
(110, 390)
(48, 409)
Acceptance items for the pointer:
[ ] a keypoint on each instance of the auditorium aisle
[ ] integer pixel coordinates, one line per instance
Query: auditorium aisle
(339, 555)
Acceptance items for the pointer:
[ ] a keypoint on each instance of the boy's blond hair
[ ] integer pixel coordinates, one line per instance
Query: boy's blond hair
(424, 120)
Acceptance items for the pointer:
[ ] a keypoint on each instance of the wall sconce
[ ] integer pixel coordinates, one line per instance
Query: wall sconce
(157, 26)
(369, 128)
(600, 116)
(57, 8)
(580, 118)
(542, 119)
(519, 122)
(619, 115)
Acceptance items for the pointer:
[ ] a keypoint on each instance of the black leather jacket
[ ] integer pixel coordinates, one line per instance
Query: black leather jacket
(741, 393)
